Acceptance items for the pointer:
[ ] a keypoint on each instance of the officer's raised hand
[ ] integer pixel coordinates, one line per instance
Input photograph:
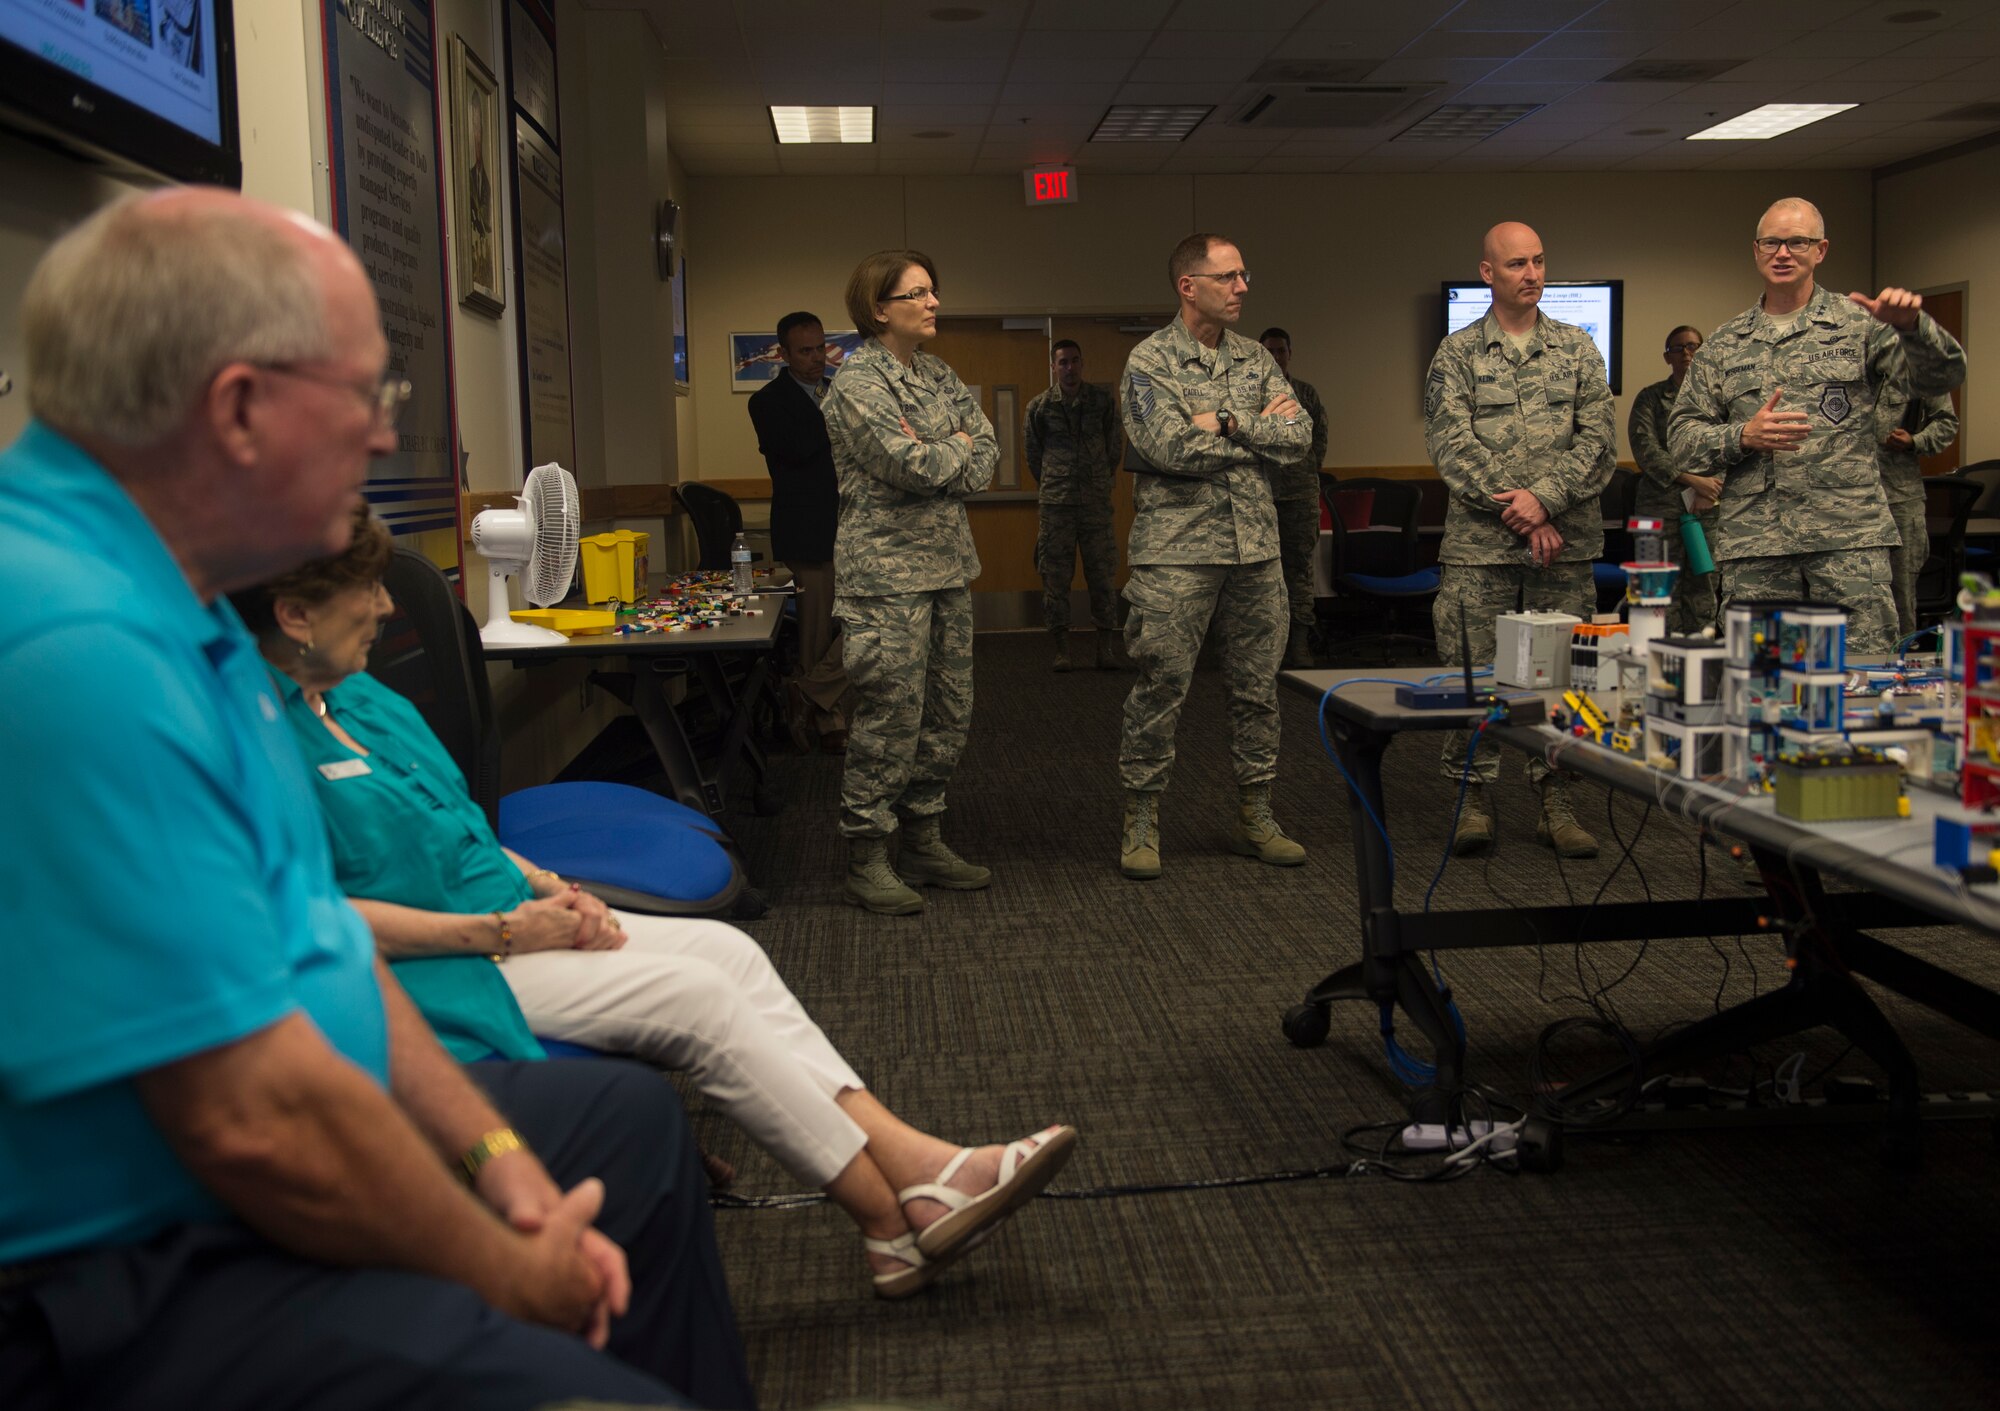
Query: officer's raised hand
(1896, 307)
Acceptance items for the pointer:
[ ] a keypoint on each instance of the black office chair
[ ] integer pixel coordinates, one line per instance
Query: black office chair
(636, 850)
(1615, 504)
(717, 520)
(1937, 580)
(1375, 558)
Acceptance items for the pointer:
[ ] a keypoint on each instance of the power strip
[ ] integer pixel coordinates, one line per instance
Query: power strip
(1430, 1136)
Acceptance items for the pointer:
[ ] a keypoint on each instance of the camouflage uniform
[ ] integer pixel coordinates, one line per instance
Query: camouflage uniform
(1499, 418)
(1296, 489)
(903, 560)
(1932, 425)
(1811, 522)
(1660, 497)
(1204, 545)
(1073, 446)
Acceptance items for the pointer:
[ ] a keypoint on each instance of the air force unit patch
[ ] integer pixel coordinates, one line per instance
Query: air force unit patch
(1142, 396)
(1833, 403)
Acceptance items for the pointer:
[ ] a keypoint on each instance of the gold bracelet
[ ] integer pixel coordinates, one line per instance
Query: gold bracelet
(541, 872)
(506, 936)
(497, 1142)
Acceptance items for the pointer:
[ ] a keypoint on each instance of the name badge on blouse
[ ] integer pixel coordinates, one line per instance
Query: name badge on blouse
(345, 769)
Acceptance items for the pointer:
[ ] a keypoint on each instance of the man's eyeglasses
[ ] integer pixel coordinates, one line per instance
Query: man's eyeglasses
(913, 296)
(1226, 277)
(385, 397)
(1795, 244)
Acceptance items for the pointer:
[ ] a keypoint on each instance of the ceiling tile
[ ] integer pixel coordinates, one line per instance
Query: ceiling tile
(1239, 14)
(1191, 71)
(704, 43)
(1453, 73)
(1214, 44)
(1515, 14)
(1051, 72)
(802, 16)
(1097, 95)
(1121, 156)
(936, 94)
(1418, 14)
(1219, 94)
(1038, 44)
(1471, 44)
(914, 15)
(945, 165)
(1563, 71)
(1099, 14)
(1651, 15)
(1280, 165)
(915, 117)
(1592, 44)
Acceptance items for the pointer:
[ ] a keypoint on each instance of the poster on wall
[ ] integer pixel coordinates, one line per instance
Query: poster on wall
(541, 255)
(544, 300)
(756, 358)
(388, 204)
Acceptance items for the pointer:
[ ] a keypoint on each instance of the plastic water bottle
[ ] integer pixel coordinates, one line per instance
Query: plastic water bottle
(739, 567)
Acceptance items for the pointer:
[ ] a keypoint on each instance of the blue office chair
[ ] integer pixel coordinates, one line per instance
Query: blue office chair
(634, 849)
(1375, 556)
(1614, 504)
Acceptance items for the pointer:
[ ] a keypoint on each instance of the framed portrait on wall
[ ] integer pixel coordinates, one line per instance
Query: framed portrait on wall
(756, 358)
(475, 157)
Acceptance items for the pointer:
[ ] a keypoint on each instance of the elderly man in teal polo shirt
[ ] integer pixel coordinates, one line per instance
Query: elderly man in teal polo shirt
(226, 1138)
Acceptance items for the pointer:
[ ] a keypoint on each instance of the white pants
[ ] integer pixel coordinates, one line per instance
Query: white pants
(703, 998)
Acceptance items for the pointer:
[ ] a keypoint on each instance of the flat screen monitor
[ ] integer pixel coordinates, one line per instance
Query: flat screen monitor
(1597, 306)
(148, 86)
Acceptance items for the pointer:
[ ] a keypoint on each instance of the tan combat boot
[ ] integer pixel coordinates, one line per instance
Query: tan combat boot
(1139, 848)
(1257, 832)
(1107, 650)
(1558, 827)
(1474, 834)
(1061, 636)
(870, 882)
(926, 860)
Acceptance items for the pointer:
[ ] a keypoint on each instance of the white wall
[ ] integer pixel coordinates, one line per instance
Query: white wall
(1349, 264)
(1936, 226)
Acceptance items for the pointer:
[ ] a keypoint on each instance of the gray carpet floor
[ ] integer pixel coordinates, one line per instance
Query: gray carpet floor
(1687, 1269)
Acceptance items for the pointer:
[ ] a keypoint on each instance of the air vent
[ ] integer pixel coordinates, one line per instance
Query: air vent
(1971, 112)
(1672, 70)
(1314, 71)
(1331, 105)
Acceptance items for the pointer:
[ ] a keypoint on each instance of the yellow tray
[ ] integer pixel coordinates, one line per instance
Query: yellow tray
(571, 622)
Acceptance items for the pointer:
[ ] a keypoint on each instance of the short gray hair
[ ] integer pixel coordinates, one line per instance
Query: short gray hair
(1795, 203)
(130, 315)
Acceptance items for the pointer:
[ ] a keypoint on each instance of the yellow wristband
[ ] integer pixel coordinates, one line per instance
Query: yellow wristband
(497, 1142)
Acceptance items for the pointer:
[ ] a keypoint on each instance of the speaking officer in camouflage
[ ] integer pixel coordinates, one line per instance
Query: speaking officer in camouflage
(1909, 428)
(1662, 484)
(1295, 487)
(1781, 402)
(909, 444)
(1073, 441)
(1519, 421)
(1212, 417)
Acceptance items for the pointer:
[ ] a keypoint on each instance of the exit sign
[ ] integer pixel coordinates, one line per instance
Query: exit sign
(1050, 186)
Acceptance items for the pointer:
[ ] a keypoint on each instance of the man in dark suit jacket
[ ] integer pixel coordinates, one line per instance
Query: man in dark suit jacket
(805, 510)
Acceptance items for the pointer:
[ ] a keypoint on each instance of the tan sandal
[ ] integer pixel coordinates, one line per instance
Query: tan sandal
(1026, 1166)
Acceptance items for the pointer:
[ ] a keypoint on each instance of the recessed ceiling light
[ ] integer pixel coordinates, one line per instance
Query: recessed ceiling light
(1149, 122)
(956, 14)
(1463, 122)
(795, 125)
(1645, 132)
(932, 136)
(1771, 120)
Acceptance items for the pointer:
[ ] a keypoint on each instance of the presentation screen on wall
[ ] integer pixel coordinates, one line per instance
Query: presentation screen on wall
(1597, 306)
(151, 82)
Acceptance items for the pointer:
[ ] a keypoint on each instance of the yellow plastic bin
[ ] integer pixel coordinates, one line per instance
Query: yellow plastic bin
(609, 567)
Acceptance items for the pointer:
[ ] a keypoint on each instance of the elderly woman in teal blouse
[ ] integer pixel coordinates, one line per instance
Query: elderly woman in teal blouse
(414, 854)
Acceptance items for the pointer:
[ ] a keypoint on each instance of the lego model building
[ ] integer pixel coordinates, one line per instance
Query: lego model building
(1979, 772)
(1812, 667)
(1685, 732)
(1755, 696)
(1649, 592)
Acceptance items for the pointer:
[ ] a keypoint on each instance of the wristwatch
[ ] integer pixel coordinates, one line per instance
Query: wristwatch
(1225, 421)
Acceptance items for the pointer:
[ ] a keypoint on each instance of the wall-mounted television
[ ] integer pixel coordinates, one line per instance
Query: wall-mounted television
(145, 86)
(1597, 306)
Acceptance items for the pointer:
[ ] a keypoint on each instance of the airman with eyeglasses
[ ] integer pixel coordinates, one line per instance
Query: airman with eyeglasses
(1665, 490)
(1782, 402)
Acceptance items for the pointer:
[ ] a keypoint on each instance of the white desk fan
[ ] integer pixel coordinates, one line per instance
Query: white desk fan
(538, 544)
